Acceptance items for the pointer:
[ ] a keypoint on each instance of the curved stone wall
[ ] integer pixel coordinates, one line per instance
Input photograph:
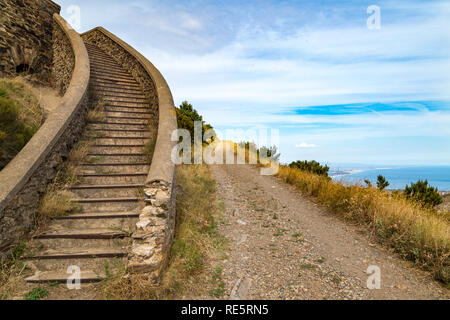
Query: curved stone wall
(63, 57)
(26, 177)
(156, 226)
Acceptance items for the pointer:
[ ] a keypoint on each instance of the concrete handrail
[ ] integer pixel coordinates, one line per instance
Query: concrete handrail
(16, 174)
(162, 168)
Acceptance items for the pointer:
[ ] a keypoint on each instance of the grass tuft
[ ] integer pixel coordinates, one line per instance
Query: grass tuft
(37, 293)
(57, 203)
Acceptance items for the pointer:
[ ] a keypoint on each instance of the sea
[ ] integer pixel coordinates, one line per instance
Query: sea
(398, 177)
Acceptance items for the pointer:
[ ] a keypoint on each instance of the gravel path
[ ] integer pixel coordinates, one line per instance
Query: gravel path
(283, 246)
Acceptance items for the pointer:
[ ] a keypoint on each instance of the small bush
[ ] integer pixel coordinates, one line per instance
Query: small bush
(186, 116)
(420, 192)
(382, 183)
(311, 166)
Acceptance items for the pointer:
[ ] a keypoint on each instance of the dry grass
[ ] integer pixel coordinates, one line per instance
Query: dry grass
(195, 240)
(57, 203)
(20, 93)
(12, 272)
(415, 233)
(96, 114)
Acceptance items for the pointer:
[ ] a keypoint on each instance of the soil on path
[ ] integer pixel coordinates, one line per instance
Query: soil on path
(284, 246)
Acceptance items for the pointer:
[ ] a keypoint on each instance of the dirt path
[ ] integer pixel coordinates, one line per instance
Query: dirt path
(283, 246)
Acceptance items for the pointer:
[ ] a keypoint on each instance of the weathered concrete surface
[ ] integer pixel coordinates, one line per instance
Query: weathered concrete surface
(26, 28)
(28, 174)
(156, 226)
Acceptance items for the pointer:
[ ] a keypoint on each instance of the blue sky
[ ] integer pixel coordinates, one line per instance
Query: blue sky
(337, 91)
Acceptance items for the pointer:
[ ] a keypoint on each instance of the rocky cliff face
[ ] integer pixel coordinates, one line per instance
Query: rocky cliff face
(26, 28)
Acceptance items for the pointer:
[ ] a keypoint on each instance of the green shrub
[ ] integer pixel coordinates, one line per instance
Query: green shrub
(186, 116)
(311, 166)
(382, 183)
(14, 133)
(420, 192)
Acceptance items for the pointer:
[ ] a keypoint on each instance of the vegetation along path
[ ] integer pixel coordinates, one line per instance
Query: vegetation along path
(283, 246)
(110, 176)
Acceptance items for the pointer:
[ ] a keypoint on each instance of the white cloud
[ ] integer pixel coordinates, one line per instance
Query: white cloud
(305, 145)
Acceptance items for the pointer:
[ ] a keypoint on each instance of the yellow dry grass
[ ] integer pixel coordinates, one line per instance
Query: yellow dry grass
(17, 90)
(56, 203)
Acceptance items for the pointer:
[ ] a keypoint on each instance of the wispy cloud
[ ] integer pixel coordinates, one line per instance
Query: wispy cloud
(305, 145)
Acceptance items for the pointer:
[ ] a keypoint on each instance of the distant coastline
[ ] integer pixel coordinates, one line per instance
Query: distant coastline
(398, 177)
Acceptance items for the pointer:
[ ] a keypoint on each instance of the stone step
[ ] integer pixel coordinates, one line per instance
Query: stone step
(99, 266)
(101, 56)
(61, 277)
(103, 125)
(127, 119)
(115, 140)
(122, 134)
(113, 75)
(116, 149)
(121, 113)
(117, 158)
(79, 253)
(103, 80)
(113, 80)
(136, 112)
(114, 223)
(100, 67)
(113, 87)
(134, 104)
(102, 60)
(127, 178)
(107, 168)
(126, 99)
(117, 192)
(57, 244)
(107, 66)
(146, 109)
(90, 233)
(107, 94)
(99, 215)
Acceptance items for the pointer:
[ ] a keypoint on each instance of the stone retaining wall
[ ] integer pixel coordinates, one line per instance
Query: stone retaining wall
(26, 28)
(25, 178)
(156, 226)
(63, 58)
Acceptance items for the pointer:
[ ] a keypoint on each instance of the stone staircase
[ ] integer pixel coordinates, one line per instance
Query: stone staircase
(97, 239)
